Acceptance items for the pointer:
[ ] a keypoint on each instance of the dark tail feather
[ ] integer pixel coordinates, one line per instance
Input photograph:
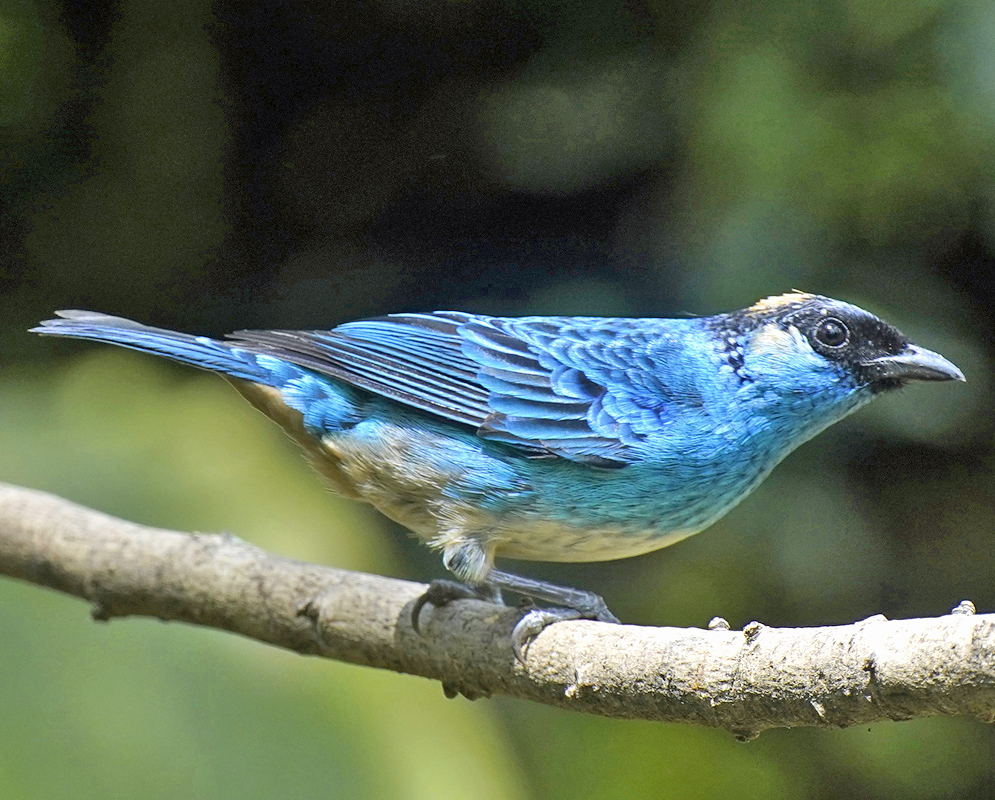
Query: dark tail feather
(197, 351)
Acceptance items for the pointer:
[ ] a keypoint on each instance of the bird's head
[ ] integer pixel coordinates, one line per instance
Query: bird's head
(806, 356)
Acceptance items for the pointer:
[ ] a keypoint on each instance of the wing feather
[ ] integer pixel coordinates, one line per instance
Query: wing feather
(586, 389)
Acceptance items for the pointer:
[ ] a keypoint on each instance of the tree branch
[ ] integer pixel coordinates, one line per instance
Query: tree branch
(742, 681)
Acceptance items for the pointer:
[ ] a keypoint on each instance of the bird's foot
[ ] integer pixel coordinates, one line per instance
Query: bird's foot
(443, 592)
(565, 603)
(533, 623)
(536, 620)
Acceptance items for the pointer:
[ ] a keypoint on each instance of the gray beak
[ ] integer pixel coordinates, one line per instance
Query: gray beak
(913, 364)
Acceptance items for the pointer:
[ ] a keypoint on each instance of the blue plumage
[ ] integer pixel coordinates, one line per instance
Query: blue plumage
(553, 438)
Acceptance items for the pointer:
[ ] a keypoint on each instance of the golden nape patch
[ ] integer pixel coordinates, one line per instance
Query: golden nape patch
(779, 301)
(775, 340)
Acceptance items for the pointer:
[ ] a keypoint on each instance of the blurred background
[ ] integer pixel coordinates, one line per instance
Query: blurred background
(299, 164)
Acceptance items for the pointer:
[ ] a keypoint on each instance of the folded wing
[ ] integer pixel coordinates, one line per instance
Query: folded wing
(585, 389)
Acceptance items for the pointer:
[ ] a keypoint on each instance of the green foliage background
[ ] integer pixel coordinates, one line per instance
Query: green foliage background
(234, 165)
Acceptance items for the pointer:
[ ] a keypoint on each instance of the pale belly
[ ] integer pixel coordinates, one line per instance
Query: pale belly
(518, 516)
(554, 541)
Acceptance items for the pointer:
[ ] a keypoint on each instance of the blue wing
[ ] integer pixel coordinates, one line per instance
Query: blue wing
(586, 389)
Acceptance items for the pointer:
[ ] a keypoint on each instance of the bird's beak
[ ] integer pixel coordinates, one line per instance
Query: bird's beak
(914, 364)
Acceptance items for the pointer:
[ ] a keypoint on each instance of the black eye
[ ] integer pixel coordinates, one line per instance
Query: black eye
(832, 333)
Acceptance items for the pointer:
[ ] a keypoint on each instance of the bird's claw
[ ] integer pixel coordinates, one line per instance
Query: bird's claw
(537, 619)
(533, 623)
(442, 592)
(599, 612)
(582, 605)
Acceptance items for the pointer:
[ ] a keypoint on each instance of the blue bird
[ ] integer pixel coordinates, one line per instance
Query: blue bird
(550, 438)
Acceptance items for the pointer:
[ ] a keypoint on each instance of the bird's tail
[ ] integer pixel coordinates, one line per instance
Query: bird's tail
(197, 351)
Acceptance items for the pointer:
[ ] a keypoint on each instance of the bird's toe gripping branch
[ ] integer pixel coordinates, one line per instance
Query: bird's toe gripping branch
(441, 592)
(568, 603)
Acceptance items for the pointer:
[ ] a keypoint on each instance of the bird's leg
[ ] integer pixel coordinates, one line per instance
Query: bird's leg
(471, 563)
(568, 604)
(587, 604)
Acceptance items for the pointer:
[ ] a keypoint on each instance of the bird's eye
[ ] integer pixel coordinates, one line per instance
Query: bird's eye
(832, 333)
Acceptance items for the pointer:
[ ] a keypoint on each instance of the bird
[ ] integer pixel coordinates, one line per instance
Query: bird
(550, 438)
